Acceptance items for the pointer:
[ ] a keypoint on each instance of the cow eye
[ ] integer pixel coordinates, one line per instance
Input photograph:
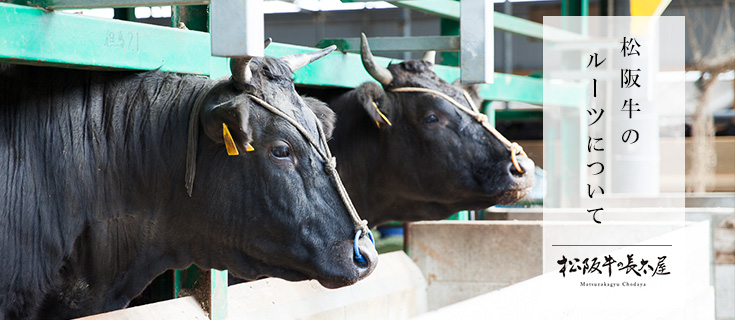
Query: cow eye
(432, 118)
(281, 151)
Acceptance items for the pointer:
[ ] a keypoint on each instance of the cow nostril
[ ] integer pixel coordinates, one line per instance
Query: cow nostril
(361, 259)
(514, 172)
(365, 263)
(526, 165)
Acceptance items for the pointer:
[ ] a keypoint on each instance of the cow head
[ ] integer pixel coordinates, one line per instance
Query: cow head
(278, 212)
(431, 151)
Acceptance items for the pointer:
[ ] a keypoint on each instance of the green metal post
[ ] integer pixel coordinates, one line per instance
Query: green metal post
(185, 278)
(127, 14)
(604, 8)
(197, 18)
(176, 282)
(218, 295)
(575, 7)
(193, 17)
(487, 109)
(449, 28)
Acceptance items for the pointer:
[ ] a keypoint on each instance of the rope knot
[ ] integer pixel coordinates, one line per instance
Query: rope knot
(481, 118)
(363, 225)
(517, 149)
(330, 165)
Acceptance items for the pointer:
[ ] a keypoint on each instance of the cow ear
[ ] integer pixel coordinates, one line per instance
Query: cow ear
(227, 123)
(471, 88)
(326, 116)
(373, 99)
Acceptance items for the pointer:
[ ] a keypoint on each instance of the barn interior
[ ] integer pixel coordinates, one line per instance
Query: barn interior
(477, 263)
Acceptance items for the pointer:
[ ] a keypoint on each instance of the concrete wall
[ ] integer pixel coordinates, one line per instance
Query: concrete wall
(395, 290)
(462, 260)
(460, 270)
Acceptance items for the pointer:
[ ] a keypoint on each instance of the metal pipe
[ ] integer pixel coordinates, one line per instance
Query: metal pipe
(406, 28)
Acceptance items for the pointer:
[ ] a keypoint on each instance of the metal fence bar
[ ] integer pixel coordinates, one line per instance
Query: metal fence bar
(450, 9)
(236, 27)
(218, 295)
(88, 4)
(34, 36)
(477, 55)
(395, 44)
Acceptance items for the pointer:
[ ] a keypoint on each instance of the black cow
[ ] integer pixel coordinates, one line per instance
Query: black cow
(408, 156)
(93, 202)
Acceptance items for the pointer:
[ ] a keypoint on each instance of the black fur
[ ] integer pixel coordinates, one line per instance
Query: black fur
(325, 115)
(93, 204)
(415, 170)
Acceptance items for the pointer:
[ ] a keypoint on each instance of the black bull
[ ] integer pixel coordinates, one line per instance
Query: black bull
(93, 203)
(415, 156)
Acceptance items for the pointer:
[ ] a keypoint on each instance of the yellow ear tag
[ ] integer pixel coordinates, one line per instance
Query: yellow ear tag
(229, 142)
(249, 148)
(381, 115)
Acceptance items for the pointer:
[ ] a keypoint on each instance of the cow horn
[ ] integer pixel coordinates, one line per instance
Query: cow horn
(429, 56)
(240, 69)
(296, 61)
(379, 73)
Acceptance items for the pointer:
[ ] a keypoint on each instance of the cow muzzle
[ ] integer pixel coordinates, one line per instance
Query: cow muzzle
(365, 255)
(519, 183)
(356, 259)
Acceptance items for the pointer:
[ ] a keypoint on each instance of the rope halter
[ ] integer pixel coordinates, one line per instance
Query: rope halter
(515, 148)
(330, 165)
(330, 162)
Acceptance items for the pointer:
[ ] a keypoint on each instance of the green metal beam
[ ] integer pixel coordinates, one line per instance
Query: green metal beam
(519, 114)
(444, 8)
(34, 36)
(351, 74)
(450, 10)
(394, 44)
(335, 70)
(519, 26)
(86, 4)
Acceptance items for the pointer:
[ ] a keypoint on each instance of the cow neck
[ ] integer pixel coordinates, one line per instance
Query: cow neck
(330, 162)
(193, 135)
(515, 148)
